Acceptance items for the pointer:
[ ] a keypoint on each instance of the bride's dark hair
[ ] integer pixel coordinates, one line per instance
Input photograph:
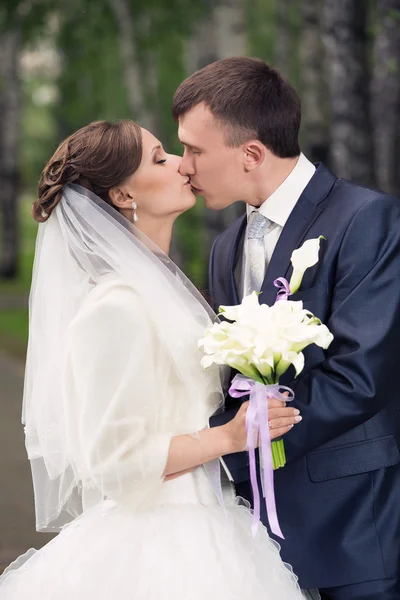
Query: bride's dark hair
(98, 157)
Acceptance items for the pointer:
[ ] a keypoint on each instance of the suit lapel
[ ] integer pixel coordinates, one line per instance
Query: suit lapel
(307, 209)
(236, 237)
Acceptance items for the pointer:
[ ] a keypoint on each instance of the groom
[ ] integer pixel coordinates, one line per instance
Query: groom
(338, 497)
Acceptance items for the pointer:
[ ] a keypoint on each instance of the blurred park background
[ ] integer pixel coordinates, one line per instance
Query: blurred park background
(66, 63)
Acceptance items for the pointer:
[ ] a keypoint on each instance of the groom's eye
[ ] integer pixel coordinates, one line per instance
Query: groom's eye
(189, 149)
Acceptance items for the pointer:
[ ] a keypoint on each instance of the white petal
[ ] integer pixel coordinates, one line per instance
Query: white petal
(303, 258)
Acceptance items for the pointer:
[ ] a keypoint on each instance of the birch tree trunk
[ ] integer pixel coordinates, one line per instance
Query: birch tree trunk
(284, 37)
(9, 150)
(385, 97)
(221, 34)
(230, 28)
(202, 46)
(134, 82)
(345, 38)
(313, 84)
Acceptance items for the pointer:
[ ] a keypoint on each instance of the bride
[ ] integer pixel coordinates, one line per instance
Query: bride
(116, 404)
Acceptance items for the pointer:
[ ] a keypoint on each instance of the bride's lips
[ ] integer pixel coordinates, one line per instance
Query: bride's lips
(195, 189)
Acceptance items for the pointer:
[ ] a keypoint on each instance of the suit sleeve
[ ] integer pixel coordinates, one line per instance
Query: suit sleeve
(360, 372)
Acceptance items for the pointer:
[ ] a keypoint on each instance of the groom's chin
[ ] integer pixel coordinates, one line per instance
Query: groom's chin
(215, 203)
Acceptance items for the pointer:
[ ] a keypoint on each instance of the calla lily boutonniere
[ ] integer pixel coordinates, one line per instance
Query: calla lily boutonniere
(302, 259)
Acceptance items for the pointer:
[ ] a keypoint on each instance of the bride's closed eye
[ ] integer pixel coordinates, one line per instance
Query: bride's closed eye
(161, 161)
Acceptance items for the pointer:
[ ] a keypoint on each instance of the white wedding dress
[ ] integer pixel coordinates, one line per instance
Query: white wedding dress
(139, 538)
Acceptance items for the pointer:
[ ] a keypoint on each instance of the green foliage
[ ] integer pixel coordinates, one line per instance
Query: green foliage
(91, 85)
(37, 133)
(260, 23)
(14, 294)
(393, 65)
(29, 17)
(394, 15)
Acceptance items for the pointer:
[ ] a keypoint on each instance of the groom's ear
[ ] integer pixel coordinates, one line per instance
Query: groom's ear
(254, 154)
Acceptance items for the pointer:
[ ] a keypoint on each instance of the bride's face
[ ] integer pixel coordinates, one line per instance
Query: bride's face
(157, 186)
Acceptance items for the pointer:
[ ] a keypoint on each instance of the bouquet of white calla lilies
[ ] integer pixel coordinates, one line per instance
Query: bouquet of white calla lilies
(263, 341)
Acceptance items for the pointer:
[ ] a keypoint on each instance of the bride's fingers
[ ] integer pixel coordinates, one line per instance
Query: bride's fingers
(279, 413)
(276, 433)
(275, 403)
(284, 422)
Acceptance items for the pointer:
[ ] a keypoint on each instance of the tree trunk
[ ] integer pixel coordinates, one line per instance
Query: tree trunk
(345, 38)
(385, 97)
(202, 46)
(313, 85)
(9, 150)
(284, 37)
(221, 34)
(230, 28)
(133, 79)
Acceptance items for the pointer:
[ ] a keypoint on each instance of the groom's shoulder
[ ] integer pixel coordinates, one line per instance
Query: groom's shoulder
(352, 202)
(361, 195)
(360, 208)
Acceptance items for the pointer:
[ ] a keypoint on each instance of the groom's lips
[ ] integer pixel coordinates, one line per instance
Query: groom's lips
(195, 189)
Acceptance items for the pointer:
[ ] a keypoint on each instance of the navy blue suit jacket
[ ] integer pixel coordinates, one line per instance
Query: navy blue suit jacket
(338, 497)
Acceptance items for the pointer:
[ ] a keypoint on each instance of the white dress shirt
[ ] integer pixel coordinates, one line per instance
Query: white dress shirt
(277, 209)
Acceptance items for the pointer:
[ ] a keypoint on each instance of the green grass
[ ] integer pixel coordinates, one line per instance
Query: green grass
(14, 322)
(14, 318)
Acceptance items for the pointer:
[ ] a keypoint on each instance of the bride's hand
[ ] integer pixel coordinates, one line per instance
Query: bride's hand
(281, 420)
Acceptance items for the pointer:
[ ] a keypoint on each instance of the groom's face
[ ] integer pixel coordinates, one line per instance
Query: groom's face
(216, 170)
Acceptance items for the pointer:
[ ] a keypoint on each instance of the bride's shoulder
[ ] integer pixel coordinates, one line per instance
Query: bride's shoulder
(107, 319)
(111, 298)
(113, 290)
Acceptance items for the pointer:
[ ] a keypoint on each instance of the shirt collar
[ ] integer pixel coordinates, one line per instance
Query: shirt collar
(279, 205)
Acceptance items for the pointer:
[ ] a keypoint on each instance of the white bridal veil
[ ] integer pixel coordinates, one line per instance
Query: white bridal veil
(83, 241)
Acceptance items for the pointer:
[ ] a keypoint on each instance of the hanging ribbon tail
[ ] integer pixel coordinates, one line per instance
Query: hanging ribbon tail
(284, 290)
(252, 428)
(257, 426)
(266, 464)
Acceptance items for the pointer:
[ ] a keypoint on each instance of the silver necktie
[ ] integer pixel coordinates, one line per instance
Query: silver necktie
(256, 228)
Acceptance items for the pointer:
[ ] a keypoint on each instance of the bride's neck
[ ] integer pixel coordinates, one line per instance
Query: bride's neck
(159, 231)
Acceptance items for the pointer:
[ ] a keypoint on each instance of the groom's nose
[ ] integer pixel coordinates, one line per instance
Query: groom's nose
(187, 166)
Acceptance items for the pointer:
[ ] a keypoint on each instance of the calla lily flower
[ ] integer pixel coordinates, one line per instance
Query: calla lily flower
(302, 259)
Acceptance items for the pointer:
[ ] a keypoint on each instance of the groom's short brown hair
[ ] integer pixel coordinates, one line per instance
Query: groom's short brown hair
(250, 98)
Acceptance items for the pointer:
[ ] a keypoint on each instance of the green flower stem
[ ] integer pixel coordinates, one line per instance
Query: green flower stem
(278, 453)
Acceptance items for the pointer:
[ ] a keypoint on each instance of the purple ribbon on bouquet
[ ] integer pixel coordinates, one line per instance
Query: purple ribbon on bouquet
(257, 426)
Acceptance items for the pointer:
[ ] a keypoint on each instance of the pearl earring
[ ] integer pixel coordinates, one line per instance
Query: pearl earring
(134, 208)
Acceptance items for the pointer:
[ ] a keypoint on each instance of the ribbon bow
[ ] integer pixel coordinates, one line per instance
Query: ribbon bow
(257, 427)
